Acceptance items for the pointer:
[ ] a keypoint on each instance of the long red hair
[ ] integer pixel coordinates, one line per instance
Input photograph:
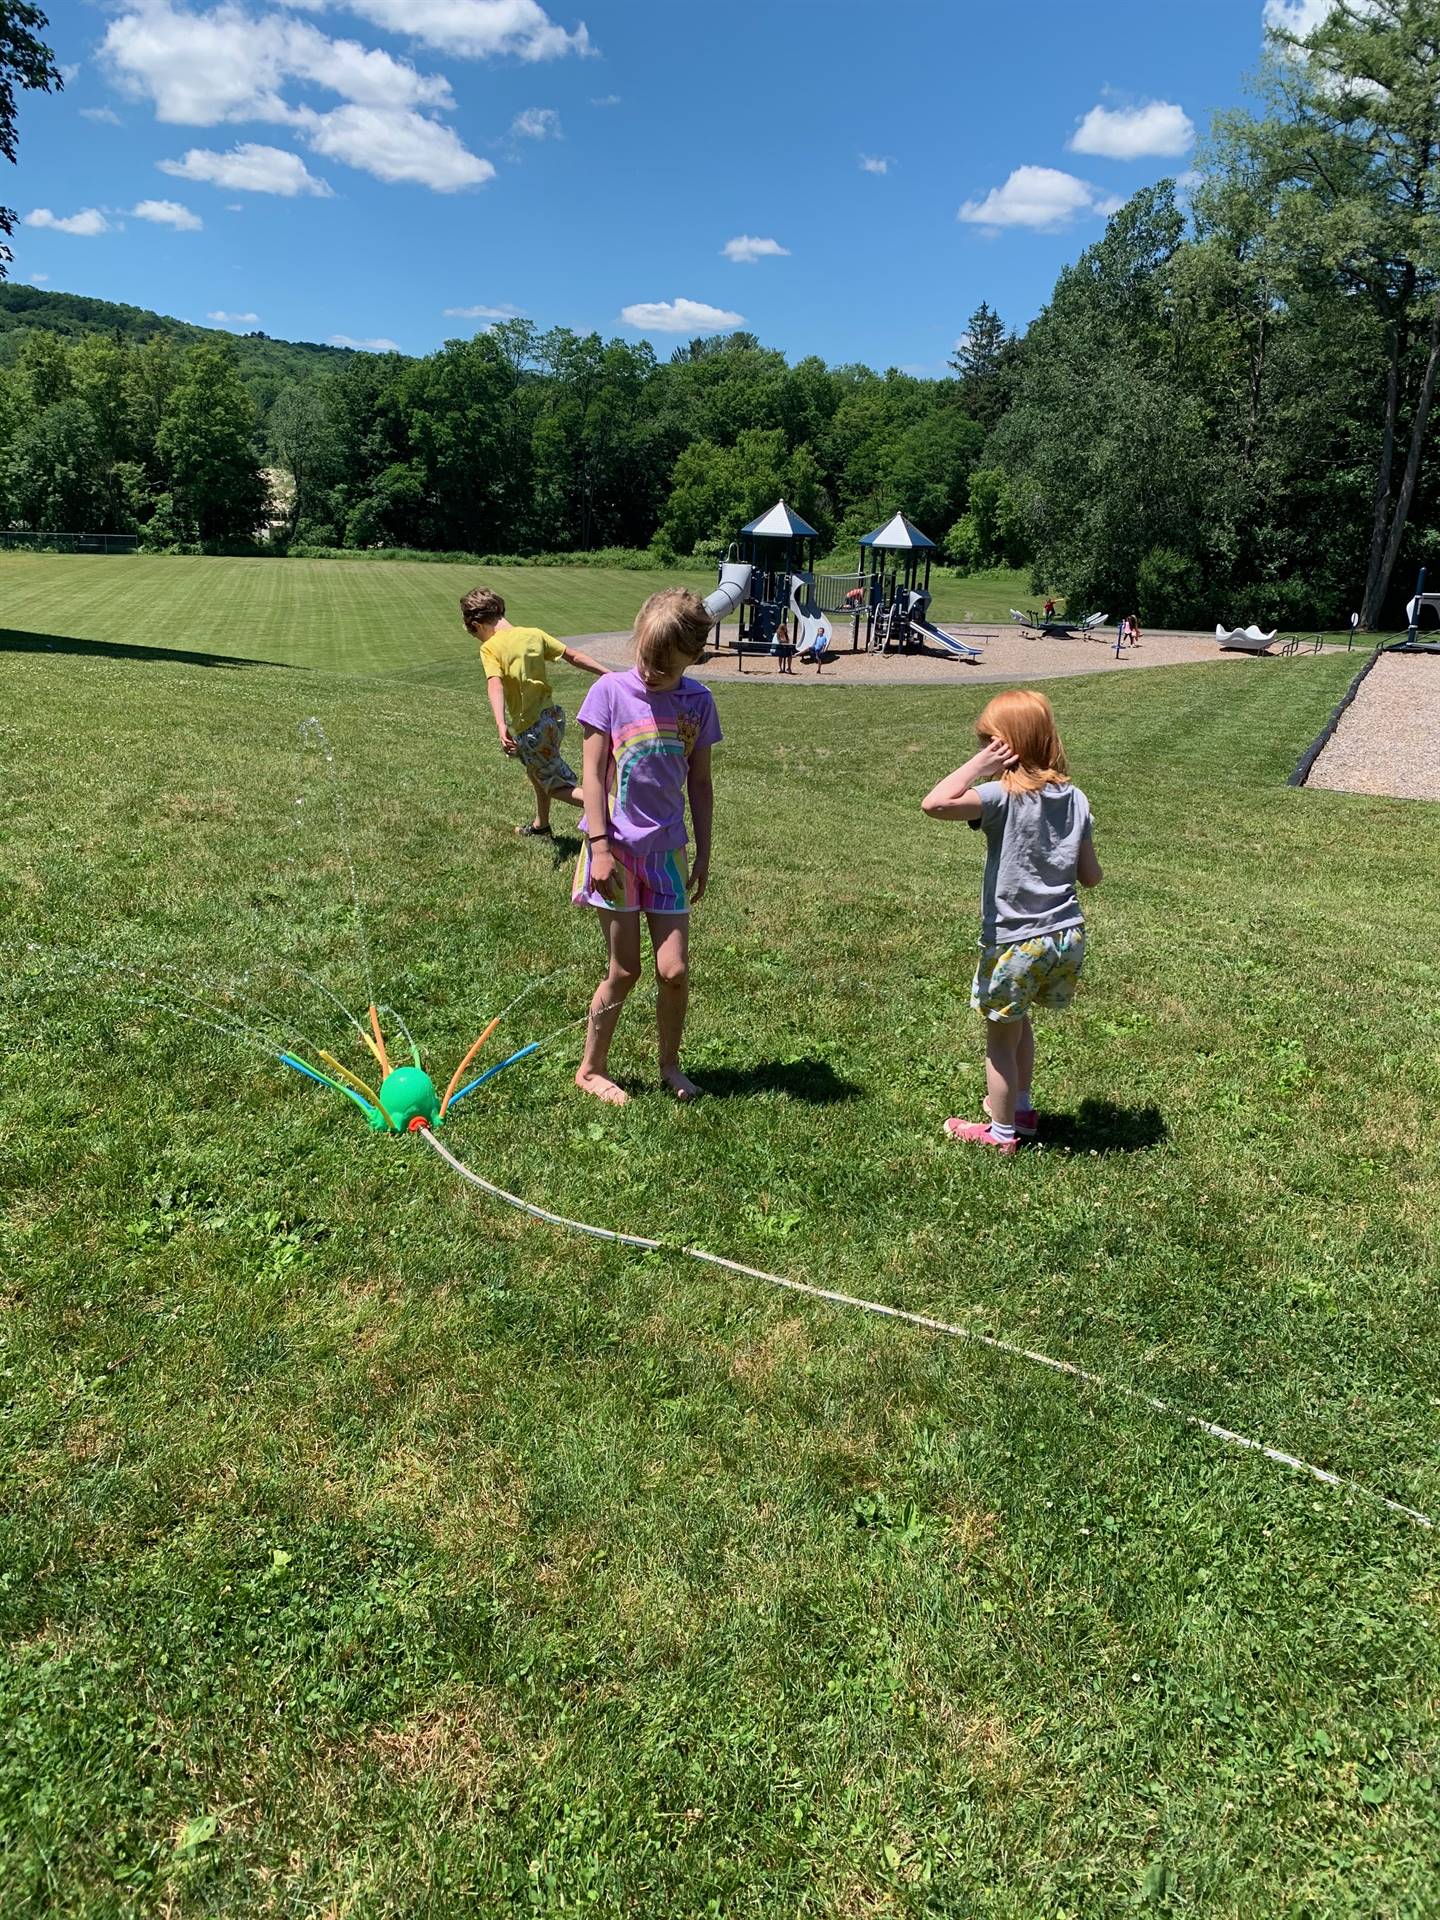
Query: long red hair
(1025, 721)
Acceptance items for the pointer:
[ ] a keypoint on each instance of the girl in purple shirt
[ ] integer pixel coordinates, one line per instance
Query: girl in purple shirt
(648, 735)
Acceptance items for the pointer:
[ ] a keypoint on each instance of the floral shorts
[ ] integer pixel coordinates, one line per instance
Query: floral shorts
(539, 750)
(1009, 981)
(653, 882)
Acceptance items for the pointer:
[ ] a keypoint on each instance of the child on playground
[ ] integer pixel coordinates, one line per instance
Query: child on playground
(530, 724)
(1017, 791)
(648, 735)
(784, 646)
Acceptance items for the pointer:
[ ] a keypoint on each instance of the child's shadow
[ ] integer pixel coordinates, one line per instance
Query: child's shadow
(1100, 1126)
(565, 850)
(811, 1080)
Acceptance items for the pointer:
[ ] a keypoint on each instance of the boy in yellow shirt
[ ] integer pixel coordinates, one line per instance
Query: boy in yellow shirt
(530, 724)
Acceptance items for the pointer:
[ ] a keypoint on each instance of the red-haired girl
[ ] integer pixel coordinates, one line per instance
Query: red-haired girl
(1017, 791)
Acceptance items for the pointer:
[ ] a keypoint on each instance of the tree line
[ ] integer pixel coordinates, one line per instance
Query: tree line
(1222, 411)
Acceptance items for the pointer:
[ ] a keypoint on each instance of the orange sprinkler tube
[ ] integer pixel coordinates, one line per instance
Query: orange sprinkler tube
(455, 1077)
(380, 1053)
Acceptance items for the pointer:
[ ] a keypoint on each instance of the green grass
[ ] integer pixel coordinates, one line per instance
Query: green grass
(349, 616)
(333, 614)
(371, 1550)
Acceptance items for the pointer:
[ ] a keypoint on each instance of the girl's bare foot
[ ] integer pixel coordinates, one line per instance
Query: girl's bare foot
(679, 1084)
(602, 1088)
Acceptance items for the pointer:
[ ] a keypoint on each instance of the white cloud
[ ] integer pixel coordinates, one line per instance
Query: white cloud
(39, 279)
(206, 68)
(1042, 198)
(106, 116)
(680, 316)
(606, 100)
(168, 213)
(745, 249)
(202, 69)
(1132, 133)
(71, 73)
(874, 163)
(482, 313)
(1296, 16)
(536, 123)
(363, 346)
(234, 319)
(248, 168)
(478, 29)
(398, 146)
(84, 225)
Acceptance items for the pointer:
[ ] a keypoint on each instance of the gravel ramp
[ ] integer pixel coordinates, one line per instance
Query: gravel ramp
(1388, 739)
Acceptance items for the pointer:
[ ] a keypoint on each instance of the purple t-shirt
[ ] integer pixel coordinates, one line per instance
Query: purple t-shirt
(652, 736)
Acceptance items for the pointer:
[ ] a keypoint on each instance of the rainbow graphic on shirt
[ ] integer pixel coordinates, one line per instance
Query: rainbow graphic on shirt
(644, 740)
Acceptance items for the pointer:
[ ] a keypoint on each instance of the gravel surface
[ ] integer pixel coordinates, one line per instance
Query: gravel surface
(1006, 656)
(1388, 739)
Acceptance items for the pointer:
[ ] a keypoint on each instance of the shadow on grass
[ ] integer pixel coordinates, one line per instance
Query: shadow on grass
(13, 641)
(567, 850)
(1100, 1126)
(814, 1081)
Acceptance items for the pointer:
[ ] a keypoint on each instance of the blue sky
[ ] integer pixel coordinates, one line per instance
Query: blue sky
(401, 171)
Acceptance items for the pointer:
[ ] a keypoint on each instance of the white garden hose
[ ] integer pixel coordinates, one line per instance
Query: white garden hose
(924, 1320)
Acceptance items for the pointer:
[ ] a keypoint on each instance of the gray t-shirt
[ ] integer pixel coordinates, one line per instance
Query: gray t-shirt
(1032, 847)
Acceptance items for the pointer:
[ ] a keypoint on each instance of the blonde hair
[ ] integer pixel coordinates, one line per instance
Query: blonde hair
(1025, 722)
(670, 622)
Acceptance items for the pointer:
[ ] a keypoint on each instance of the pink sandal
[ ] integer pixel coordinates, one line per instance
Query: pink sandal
(977, 1133)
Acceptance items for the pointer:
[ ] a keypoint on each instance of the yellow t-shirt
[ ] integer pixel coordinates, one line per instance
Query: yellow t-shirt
(516, 656)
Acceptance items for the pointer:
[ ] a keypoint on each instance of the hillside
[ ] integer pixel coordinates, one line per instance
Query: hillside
(267, 365)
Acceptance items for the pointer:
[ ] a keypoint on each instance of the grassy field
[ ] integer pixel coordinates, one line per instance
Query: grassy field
(345, 615)
(370, 1550)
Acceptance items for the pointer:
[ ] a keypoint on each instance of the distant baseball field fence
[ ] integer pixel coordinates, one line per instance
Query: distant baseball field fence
(15, 539)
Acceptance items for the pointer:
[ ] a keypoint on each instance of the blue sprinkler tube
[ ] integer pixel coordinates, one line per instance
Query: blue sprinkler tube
(490, 1072)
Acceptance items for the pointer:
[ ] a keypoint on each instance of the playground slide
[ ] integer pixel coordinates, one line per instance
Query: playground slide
(812, 628)
(943, 639)
(733, 587)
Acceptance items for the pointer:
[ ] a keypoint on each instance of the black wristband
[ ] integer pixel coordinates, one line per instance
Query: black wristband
(593, 837)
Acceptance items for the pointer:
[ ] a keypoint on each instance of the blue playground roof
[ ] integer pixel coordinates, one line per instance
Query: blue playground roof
(781, 523)
(897, 535)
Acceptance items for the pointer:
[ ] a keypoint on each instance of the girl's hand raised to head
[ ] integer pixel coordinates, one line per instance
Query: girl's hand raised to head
(993, 759)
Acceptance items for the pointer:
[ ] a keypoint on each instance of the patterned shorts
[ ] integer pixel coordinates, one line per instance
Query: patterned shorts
(539, 750)
(1009, 981)
(653, 882)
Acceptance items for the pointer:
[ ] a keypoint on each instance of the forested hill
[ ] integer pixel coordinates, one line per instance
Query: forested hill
(266, 365)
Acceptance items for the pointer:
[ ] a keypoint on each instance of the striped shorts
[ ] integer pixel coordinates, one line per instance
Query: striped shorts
(653, 882)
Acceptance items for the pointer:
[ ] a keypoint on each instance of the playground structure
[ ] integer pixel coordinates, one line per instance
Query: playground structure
(898, 599)
(771, 584)
(1051, 628)
(1412, 643)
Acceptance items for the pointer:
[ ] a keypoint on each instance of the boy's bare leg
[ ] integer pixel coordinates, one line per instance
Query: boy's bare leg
(541, 822)
(622, 942)
(1002, 1047)
(670, 937)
